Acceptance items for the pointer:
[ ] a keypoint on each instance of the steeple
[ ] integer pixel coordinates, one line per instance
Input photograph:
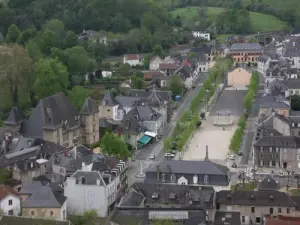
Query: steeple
(206, 154)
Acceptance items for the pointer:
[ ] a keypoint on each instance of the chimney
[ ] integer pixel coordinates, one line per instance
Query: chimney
(206, 155)
(98, 182)
(157, 172)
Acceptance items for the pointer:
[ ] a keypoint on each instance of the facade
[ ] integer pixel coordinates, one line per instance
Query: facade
(10, 202)
(203, 35)
(133, 60)
(154, 63)
(291, 52)
(168, 68)
(245, 52)
(39, 200)
(239, 77)
(270, 104)
(16, 220)
(110, 108)
(263, 63)
(195, 173)
(255, 205)
(94, 189)
(289, 87)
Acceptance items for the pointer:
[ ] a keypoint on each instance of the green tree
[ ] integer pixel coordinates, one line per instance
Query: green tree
(51, 77)
(167, 144)
(4, 176)
(78, 95)
(113, 144)
(89, 217)
(2, 40)
(176, 85)
(158, 50)
(56, 26)
(13, 34)
(137, 82)
(34, 50)
(27, 34)
(47, 41)
(70, 39)
(77, 61)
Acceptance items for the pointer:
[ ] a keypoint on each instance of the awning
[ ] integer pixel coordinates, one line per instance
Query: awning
(150, 134)
(144, 140)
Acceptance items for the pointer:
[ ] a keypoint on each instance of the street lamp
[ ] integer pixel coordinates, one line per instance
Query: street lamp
(206, 92)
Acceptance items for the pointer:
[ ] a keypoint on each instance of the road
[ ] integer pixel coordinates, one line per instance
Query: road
(142, 157)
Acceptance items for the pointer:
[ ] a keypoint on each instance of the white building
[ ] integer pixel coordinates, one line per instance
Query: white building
(154, 63)
(263, 63)
(133, 60)
(94, 190)
(10, 203)
(203, 35)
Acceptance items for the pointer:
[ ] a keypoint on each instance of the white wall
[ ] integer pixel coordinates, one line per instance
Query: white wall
(132, 62)
(115, 112)
(5, 207)
(63, 216)
(199, 34)
(154, 64)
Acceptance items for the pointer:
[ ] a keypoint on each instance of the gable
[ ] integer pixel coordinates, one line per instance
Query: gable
(182, 179)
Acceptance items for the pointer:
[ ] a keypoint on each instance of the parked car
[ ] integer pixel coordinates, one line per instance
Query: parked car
(231, 157)
(152, 156)
(240, 153)
(169, 155)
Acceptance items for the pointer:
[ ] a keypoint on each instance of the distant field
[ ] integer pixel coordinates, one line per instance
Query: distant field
(280, 4)
(260, 22)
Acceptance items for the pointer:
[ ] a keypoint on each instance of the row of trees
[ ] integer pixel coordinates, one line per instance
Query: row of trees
(237, 138)
(190, 120)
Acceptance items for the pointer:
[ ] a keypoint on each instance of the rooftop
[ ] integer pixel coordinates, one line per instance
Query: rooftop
(246, 47)
(6, 190)
(227, 218)
(268, 184)
(278, 141)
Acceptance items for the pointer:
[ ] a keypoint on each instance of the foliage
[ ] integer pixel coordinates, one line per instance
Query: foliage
(4, 176)
(163, 222)
(51, 77)
(89, 217)
(78, 95)
(138, 82)
(295, 102)
(176, 85)
(13, 34)
(113, 144)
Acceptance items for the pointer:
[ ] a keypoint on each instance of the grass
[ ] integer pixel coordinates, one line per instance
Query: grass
(247, 187)
(294, 192)
(260, 22)
(279, 4)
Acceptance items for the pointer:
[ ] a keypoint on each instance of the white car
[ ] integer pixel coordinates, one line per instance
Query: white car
(152, 156)
(169, 155)
(231, 157)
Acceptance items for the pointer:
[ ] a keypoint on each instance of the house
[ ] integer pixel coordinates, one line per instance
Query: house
(185, 172)
(202, 35)
(160, 101)
(127, 102)
(133, 60)
(289, 87)
(94, 188)
(269, 183)
(168, 68)
(57, 120)
(110, 108)
(45, 201)
(226, 218)
(170, 197)
(93, 36)
(291, 52)
(282, 220)
(263, 63)
(255, 205)
(270, 104)
(154, 63)
(16, 220)
(204, 52)
(10, 202)
(245, 52)
(14, 120)
(238, 77)
(157, 78)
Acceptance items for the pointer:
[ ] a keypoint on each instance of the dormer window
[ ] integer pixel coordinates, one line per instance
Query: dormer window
(206, 179)
(163, 177)
(293, 124)
(173, 178)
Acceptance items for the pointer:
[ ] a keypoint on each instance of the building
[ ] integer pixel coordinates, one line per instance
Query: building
(172, 198)
(269, 183)
(133, 60)
(270, 104)
(168, 68)
(95, 187)
(245, 52)
(255, 205)
(10, 202)
(202, 35)
(110, 108)
(239, 77)
(227, 218)
(47, 201)
(93, 36)
(291, 51)
(195, 173)
(282, 220)
(16, 220)
(154, 63)
(289, 87)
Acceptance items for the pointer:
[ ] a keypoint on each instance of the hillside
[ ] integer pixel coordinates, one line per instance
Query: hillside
(260, 22)
(278, 4)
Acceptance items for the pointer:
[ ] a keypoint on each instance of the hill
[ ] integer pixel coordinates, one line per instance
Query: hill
(278, 4)
(260, 22)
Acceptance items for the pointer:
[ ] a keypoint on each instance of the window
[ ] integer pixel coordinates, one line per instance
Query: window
(163, 177)
(279, 210)
(288, 210)
(270, 149)
(293, 124)
(271, 210)
(10, 212)
(277, 149)
(243, 219)
(10, 202)
(32, 213)
(51, 213)
(173, 178)
(257, 219)
(253, 209)
(108, 110)
(205, 179)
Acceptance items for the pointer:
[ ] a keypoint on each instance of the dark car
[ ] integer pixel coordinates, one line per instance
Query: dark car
(240, 153)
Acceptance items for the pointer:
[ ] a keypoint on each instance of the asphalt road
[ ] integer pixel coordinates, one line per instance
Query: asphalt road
(142, 157)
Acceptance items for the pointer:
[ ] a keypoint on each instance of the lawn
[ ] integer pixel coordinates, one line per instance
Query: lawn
(247, 187)
(260, 22)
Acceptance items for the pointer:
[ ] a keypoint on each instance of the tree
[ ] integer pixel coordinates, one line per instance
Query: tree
(176, 85)
(158, 50)
(28, 34)
(70, 39)
(15, 67)
(113, 144)
(4, 176)
(1, 38)
(51, 77)
(47, 41)
(89, 217)
(78, 95)
(295, 102)
(137, 82)
(13, 34)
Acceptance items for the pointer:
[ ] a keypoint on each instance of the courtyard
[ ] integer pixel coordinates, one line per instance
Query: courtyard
(215, 137)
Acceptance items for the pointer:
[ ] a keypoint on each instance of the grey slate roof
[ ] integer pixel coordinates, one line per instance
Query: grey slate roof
(15, 116)
(132, 199)
(191, 167)
(41, 196)
(227, 218)
(164, 95)
(89, 107)
(246, 47)
(291, 83)
(268, 184)
(255, 198)
(109, 99)
(154, 100)
(278, 141)
(90, 177)
(142, 113)
(263, 58)
(270, 101)
(50, 113)
(127, 101)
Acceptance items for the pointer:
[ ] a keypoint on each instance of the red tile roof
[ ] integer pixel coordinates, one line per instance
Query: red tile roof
(6, 190)
(150, 74)
(168, 66)
(133, 57)
(283, 220)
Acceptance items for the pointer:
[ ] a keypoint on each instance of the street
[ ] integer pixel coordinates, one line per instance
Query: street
(142, 156)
